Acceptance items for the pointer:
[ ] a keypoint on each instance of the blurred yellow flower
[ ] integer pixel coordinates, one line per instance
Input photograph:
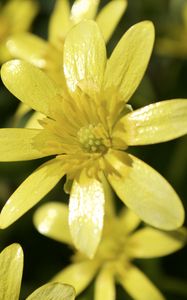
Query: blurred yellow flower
(173, 43)
(87, 128)
(113, 260)
(15, 17)
(11, 269)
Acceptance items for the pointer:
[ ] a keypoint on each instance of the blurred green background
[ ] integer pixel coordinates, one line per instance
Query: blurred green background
(166, 78)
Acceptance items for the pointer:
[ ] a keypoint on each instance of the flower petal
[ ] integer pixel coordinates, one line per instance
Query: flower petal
(84, 9)
(24, 144)
(32, 86)
(78, 275)
(149, 242)
(154, 123)
(53, 291)
(138, 286)
(86, 213)
(51, 219)
(84, 58)
(31, 191)
(106, 23)
(128, 220)
(105, 285)
(33, 121)
(59, 23)
(146, 192)
(129, 60)
(11, 268)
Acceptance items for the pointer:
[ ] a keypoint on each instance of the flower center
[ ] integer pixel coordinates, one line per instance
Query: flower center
(93, 138)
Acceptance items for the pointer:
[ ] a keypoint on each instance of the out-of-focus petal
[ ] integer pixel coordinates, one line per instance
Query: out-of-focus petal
(154, 123)
(150, 242)
(138, 286)
(53, 291)
(85, 58)
(78, 275)
(59, 23)
(129, 60)
(11, 268)
(86, 206)
(84, 9)
(107, 24)
(129, 220)
(145, 191)
(51, 219)
(32, 86)
(105, 285)
(32, 190)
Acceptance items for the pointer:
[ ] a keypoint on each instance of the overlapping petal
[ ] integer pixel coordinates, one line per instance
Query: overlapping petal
(79, 275)
(32, 190)
(149, 242)
(145, 191)
(85, 58)
(106, 23)
(128, 62)
(138, 286)
(37, 90)
(105, 285)
(128, 220)
(51, 220)
(84, 9)
(53, 291)
(86, 213)
(11, 268)
(154, 123)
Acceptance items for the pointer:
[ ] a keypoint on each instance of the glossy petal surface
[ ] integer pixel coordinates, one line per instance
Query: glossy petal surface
(53, 291)
(146, 192)
(129, 60)
(84, 58)
(105, 285)
(32, 86)
(86, 212)
(149, 242)
(78, 275)
(32, 190)
(84, 9)
(138, 286)
(51, 220)
(107, 24)
(154, 123)
(11, 268)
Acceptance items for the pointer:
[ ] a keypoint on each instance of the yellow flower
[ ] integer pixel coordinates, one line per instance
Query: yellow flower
(15, 17)
(11, 269)
(173, 43)
(87, 128)
(113, 260)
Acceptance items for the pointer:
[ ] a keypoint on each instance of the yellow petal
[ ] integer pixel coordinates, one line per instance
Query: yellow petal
(146, 192)
(33, 121)
(53, 291)
(34, 50)
(21, 111)
(129, 60)
(59, 23)
(105, 285)
(154, 123)
(138, 286)
(32, 190)
(107, 24)
(84, 9)
(128, 220)
(84, 58)
(51, 220)
(24, 144)
(86, 214)
(150, 242)
(11, 268)
(20, 19)
(32, 86)
(78, 275)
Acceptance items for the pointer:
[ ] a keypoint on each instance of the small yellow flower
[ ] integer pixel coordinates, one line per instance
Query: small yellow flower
(15, 17)
(11, 269)
(173, 43)
(113, 260)
(88, 128)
